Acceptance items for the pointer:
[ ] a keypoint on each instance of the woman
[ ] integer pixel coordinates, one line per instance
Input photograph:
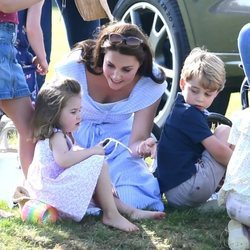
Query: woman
(122, 90)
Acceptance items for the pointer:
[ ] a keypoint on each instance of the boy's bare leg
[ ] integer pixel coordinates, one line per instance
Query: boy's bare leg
(104, 197)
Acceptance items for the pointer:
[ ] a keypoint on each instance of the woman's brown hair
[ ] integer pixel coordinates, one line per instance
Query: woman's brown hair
(93, 51)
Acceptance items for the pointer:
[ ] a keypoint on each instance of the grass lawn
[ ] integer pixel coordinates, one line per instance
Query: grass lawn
(186, 229)
(181, 229)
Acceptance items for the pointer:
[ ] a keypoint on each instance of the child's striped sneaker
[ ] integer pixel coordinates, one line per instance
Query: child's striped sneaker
(238, 236)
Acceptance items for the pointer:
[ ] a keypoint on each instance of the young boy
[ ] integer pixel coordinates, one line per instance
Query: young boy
(191, 159)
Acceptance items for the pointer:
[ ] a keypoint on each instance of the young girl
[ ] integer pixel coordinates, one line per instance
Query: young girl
(66, 176)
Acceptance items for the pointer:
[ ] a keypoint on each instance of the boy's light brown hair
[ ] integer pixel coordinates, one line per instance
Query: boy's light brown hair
(207, 67)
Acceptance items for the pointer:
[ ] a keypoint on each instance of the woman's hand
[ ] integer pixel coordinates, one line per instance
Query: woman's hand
(147, 148)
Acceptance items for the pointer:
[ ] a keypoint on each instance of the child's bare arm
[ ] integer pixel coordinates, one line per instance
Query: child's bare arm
(8, 6)
(65, 157)
(35, 36)
(219, 149)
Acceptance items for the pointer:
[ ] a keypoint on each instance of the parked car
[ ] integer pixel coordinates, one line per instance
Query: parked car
(175, 27)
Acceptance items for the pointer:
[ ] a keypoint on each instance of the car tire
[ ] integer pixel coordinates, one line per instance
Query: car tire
(161, 21)
(7, 129)
(220, 103)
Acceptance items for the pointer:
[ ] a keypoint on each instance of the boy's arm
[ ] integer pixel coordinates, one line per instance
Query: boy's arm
(9, 6)
(35, 36)
(67, 158)
(220, 150)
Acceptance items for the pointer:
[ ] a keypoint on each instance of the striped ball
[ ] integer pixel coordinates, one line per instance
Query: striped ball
(38, 212)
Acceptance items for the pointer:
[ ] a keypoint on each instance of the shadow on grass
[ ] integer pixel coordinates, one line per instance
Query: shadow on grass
(181, 229)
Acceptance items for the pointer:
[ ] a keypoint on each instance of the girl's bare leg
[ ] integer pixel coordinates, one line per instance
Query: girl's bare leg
(20, 111)
(104, 197)
(138, 214)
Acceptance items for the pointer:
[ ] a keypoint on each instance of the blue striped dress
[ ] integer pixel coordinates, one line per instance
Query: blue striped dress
(130, 176)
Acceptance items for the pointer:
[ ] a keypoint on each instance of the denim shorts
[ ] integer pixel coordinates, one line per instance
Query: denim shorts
(12, 79)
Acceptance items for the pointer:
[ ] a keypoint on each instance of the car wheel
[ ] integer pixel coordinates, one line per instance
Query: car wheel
(161, 21)
(220, 103)
(7, 132)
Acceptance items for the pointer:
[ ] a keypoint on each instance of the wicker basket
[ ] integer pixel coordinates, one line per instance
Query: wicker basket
(93, 9)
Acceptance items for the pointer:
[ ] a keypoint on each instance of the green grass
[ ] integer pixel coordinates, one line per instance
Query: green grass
(181, 229)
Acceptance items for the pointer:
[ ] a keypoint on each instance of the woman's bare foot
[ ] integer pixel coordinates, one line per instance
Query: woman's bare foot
(119, 222)
(138, 214)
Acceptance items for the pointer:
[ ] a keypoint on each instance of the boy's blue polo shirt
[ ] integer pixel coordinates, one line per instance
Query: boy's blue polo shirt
(180, 145)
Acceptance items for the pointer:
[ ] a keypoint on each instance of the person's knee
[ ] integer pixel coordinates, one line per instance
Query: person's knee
(222, 132)
(238, 208)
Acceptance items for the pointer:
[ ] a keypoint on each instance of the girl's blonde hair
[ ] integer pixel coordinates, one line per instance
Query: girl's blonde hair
(50, 101)
(205, 66)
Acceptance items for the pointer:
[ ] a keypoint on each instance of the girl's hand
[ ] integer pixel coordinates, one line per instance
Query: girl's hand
(98, 149)
(147, 148)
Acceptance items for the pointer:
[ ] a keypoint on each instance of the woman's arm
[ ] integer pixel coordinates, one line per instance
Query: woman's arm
(35, 36)
(141, 144)
(9, 6)
(67, 158)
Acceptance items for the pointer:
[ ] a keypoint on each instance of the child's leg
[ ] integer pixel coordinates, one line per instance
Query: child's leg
(222, 133)
(238, 236)
(138, 214)
(20, 111)
(238, 208)
(104, 197)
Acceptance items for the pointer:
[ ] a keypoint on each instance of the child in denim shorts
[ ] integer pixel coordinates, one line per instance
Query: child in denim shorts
(15, 99)
(191, 159)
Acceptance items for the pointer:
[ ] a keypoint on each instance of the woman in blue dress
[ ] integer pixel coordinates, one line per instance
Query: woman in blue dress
(122, 88)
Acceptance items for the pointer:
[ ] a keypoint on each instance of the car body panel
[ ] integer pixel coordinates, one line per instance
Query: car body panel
(207, 28)
(208, 19)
